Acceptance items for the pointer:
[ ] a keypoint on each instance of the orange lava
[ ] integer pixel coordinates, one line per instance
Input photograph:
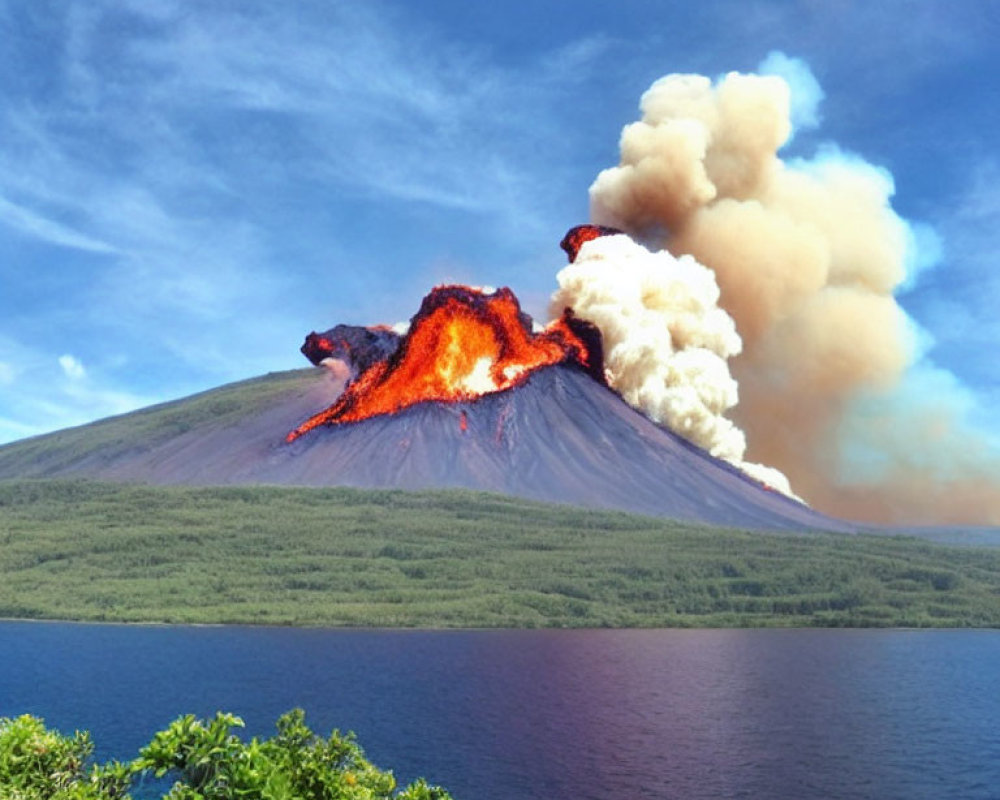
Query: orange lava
(575, 237)
(462, 344)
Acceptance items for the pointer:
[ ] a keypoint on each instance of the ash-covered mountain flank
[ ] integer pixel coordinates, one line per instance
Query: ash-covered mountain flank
(559, 436)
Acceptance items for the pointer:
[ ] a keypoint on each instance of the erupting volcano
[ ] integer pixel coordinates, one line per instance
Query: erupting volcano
(733, 307)
(668, 343)
(463, 343)
(475, 396)
(618, 403)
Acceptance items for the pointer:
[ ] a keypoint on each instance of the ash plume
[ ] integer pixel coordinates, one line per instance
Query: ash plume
(666, 341)
(807, 255)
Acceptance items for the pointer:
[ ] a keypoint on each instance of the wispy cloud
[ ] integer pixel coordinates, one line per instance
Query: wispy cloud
(959, 298)
(11, 430)
(34, 224)
(373, 101)
(72, 367)
(200, 128)
(200, 170)
(361, 100)
(44, 393)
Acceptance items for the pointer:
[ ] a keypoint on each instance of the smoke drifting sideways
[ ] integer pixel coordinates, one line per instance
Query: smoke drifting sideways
(807, 254)
(666, 341)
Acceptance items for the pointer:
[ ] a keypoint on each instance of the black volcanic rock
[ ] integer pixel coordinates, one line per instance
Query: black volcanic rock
(358, 346)
(560, 437)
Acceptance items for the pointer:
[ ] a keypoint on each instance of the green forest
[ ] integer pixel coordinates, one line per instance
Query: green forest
(80, 550)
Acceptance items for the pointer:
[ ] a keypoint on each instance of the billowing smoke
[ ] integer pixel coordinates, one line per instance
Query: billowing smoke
(807, 254)
(666, 341)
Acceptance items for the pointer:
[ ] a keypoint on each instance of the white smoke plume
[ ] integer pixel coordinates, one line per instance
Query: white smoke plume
(807, 254)
(666, 341)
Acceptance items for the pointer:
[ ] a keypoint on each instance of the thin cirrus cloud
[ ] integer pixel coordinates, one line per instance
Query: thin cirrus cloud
(39, 392)
(360, 106)
(960, 307)
(375, 109)
(161, 157)
(33, 224)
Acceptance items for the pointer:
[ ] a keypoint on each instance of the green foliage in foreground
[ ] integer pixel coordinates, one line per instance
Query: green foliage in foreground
(206, 760)
(343, 557)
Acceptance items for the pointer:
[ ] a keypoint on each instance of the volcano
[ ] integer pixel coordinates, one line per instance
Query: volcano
(559, 436)
(474, 395)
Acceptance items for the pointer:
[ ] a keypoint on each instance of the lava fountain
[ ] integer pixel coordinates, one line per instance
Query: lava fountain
(462, 344)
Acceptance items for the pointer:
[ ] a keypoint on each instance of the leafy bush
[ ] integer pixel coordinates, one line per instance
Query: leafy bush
(38, 764)
(206, 759)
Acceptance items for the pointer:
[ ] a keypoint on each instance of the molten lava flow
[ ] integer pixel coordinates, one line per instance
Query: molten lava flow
(462, 344)
(575, 237)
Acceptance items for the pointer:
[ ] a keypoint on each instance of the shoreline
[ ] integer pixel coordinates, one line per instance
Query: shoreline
(484, 629)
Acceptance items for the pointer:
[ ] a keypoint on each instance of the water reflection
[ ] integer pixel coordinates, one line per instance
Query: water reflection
(515, 715)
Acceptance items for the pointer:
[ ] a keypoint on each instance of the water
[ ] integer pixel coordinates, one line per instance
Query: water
(518, 715)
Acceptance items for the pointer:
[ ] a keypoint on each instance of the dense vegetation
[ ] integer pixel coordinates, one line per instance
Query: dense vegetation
(204, 759)
(90, 551)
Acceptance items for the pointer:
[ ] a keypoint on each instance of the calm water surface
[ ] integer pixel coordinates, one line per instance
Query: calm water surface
(519, 715)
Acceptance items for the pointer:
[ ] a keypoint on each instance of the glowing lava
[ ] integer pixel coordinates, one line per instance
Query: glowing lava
(463, 343)
(575, 237)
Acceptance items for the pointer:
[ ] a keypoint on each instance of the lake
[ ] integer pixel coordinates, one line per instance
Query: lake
(520, 715)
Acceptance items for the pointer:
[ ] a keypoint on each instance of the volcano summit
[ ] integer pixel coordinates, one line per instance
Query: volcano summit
(462, 344)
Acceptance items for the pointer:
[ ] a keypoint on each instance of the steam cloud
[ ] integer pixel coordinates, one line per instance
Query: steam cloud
(807, 254)
(666, 341)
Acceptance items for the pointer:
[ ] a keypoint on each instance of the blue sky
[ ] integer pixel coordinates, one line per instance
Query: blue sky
(187, 189)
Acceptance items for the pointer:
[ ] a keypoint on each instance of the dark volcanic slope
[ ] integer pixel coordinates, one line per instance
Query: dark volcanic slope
(560, 437)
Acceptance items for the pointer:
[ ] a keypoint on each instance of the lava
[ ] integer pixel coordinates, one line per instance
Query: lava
(463, 343)
(575, 237)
